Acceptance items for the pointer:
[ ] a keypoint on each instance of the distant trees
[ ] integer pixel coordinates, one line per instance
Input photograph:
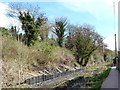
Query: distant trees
(83, 41)
(60, 29)
(13, 32)
(44, 31)
(4, 31)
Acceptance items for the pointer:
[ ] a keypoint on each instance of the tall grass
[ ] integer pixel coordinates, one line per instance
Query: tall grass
(19, 59)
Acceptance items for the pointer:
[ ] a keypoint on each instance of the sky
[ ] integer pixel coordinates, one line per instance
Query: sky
(98, 13)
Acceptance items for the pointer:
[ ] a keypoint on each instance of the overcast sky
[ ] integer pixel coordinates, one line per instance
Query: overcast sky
(98, 13)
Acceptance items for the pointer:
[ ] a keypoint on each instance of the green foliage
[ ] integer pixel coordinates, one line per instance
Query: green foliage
(98, 79)
(46, 49)
(53, 53)
(60, 28)
(4, 31)
(83, 41)
(31, 26)
(28, 25)
(63, 56)
(108, 55)
(44, 29)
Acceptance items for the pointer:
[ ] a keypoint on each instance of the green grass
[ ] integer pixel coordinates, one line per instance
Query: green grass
(98, 79)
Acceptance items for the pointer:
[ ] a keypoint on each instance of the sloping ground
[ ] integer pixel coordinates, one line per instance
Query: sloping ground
(21, 62)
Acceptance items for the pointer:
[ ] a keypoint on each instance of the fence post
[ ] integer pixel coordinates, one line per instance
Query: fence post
(30, 81)
(33, 80)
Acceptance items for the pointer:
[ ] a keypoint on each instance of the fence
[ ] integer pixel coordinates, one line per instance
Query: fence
(40, 79)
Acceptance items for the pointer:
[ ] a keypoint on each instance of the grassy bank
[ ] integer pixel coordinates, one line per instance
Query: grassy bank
(98, 79)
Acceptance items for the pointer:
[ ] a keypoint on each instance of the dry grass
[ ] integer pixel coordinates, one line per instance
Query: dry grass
(19, 60)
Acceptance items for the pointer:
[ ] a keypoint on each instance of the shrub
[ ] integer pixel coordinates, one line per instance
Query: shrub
(54, 53)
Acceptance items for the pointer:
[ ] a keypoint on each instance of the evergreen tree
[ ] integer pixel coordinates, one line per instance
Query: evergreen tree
(31, 26)
(60, 28)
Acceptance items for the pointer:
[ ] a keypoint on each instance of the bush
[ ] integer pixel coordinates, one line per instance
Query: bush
(54, 53)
